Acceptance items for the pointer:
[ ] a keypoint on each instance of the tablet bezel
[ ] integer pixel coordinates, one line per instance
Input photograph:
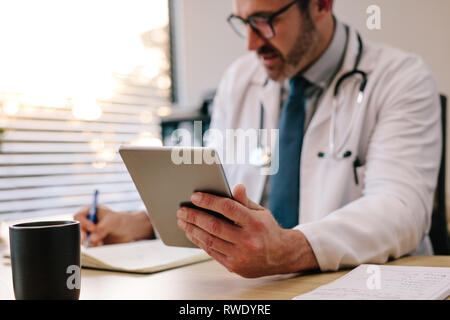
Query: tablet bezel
(163, 197)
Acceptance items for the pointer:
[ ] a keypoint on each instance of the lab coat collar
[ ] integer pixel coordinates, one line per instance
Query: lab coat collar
(322, 72)
(323, 112)
(351, 54)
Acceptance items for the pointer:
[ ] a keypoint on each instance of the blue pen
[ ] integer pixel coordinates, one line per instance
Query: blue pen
(92, 216)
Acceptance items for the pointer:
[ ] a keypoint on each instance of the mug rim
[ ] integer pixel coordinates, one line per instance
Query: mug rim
(43, 224)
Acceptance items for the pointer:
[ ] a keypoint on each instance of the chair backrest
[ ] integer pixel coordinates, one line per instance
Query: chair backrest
(438, 233)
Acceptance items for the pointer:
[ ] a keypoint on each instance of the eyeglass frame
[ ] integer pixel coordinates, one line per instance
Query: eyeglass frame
(269, 20)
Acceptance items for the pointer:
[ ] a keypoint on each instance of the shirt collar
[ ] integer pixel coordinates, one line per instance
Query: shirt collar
(322, 72)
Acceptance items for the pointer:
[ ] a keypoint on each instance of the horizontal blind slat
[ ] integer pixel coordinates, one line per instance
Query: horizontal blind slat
(73, 126)
(71, 210)
(62, 191)
(43, 114)
(63, 180)
(134, 99)
(114, 107)
(33, 148)
(23, 205)
(9, 171)
(16, 135)
(19, 159)
(131, 87)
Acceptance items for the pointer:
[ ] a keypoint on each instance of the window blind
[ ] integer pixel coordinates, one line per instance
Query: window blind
(51, 163)
(52, 159)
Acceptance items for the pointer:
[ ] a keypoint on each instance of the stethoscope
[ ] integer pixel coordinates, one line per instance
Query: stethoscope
(341, 153)
(261, 155)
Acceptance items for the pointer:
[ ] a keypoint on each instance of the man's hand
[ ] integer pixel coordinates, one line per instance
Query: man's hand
(254, 246)
(114, 227)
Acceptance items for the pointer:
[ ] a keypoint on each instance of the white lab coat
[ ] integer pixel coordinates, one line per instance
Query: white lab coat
(398, 140)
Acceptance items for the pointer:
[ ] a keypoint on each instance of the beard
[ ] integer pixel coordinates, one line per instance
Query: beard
(303, 47)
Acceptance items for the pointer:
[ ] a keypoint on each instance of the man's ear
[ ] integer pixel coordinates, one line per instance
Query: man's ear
(325, 5)
(320, 9)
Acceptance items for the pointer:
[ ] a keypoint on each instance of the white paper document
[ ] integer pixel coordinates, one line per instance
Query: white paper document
(382, 282)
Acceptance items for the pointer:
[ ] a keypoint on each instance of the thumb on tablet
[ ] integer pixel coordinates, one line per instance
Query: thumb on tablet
(240, 195)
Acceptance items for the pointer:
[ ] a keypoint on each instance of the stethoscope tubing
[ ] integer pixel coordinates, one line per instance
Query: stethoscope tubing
(333, 152)
(339, 153)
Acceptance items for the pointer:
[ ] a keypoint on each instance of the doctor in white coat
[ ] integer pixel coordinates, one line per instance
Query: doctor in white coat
(370, 206)
(368, 166)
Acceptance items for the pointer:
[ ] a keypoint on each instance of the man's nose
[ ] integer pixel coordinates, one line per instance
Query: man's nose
(254, 40)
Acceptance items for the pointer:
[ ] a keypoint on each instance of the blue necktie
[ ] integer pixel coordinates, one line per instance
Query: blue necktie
(284, 192)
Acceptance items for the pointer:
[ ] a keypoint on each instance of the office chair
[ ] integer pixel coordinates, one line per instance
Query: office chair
(438, 233)
(172, 122)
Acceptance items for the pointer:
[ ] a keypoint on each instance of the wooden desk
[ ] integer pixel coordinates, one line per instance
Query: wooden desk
(207, 280)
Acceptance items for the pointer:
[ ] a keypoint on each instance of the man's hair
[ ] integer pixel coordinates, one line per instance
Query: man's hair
(304, 5)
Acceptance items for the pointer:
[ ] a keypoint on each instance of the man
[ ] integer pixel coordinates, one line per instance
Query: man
(364, 198)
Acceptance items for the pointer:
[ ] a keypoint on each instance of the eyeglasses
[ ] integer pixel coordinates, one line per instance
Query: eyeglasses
(261, 24)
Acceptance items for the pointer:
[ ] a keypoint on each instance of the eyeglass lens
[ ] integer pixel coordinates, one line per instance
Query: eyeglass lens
(259, 24)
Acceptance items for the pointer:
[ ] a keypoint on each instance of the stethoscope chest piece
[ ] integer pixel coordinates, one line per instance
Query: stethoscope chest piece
(260, 157)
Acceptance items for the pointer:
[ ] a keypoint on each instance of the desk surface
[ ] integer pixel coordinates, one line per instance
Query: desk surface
(207, 280)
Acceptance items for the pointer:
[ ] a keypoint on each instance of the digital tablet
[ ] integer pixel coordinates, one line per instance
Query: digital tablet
(166, 177)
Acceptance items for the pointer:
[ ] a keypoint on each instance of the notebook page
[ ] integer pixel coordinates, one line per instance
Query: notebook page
(142, 255)
(381, 282)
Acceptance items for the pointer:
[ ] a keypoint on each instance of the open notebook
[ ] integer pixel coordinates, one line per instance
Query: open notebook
(145, 256)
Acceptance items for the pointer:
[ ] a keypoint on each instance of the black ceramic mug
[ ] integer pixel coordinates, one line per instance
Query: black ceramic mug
(45, 260)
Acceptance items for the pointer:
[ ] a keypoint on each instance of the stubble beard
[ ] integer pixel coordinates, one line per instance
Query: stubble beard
(304, 47)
